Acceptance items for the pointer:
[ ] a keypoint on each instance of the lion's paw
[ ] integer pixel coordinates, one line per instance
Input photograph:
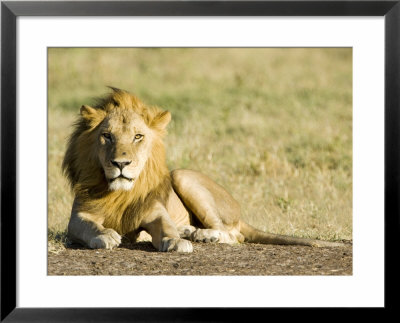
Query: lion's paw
(108, 239)
(173, 244)
(185, 231)
(206, 235)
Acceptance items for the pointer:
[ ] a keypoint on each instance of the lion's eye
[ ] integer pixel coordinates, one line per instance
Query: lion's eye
(106, 135)
(138, 137)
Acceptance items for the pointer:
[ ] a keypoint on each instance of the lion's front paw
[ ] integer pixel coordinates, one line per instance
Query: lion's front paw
(173, 244)
(108, 239)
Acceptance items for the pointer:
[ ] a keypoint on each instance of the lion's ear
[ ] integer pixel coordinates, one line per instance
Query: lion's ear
(88, 112)
(161, 120)
(91, 115)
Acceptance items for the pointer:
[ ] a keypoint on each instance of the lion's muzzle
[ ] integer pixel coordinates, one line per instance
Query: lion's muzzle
(119, 175)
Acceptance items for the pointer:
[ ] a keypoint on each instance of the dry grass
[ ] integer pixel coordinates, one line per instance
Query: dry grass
(273, 126)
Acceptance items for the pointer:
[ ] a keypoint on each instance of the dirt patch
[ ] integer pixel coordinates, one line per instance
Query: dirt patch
(206, 259)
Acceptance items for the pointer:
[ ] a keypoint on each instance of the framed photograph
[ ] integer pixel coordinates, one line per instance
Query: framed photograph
(291, 106)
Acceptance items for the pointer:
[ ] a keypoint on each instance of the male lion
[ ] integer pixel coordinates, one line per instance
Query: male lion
(116, 165)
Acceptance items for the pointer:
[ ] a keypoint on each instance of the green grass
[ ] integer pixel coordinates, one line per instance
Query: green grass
(273, 126)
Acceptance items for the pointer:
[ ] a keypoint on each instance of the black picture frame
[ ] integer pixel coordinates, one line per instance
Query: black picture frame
(11, 10)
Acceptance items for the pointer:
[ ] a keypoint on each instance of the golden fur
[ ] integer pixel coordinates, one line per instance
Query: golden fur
(116, 165)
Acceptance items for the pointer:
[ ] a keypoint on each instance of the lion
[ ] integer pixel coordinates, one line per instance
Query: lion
(116, 165)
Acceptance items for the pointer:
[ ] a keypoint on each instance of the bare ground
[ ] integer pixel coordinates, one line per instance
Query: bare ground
(206, 259)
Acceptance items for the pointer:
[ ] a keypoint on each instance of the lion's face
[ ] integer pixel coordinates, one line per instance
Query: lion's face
(123, 137)
(124, 144)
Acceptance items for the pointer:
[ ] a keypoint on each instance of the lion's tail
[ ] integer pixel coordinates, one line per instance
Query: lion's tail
(254, 235)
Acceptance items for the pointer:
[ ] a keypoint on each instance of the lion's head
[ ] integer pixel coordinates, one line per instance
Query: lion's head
(117, 146)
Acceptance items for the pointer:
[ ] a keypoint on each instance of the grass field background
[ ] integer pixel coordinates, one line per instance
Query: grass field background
(273, 126)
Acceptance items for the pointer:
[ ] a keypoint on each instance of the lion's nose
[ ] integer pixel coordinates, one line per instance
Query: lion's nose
(120, 164)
